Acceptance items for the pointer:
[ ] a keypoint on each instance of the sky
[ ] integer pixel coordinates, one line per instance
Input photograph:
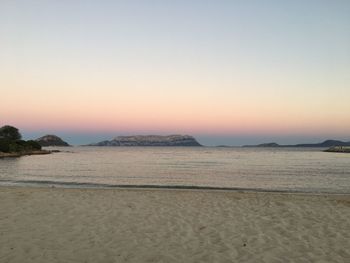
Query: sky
(227, 72)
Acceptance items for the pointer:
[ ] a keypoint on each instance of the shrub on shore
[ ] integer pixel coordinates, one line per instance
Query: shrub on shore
(34, 145)
(4, 145)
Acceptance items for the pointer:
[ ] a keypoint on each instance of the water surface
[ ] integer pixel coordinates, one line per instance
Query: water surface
(272, 169)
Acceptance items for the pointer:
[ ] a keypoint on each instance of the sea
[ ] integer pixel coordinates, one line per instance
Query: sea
(306, 170)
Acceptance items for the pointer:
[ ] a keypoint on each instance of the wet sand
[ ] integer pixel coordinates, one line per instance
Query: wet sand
(143, 225)
(19, 154)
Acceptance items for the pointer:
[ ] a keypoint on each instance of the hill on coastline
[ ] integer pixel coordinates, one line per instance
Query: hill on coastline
(150, 140)
(327, 143)
(51, 140)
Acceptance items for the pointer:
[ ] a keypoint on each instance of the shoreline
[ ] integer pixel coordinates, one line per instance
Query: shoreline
(76, 185)
(338, 149)
(176, 190)
(19, 154)
(157, 225)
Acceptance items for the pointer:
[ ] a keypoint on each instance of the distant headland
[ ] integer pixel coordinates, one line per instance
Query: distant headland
(327, 143)
(150, 140)
(12, 145)
(51, 140)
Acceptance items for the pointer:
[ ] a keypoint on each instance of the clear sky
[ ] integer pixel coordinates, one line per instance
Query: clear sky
(228, 72)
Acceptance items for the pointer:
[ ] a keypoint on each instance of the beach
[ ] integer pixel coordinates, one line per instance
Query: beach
(146, 225)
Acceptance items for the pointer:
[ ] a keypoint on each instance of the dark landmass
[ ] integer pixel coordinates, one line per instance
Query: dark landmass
(150, 140)
(325, 144)
(269, 144)
(12, 145)
(51, 140)
(339, 149)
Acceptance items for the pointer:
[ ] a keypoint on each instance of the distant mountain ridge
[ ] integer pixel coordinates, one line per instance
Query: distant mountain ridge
(327, 143)
(51, 140)
(150, 140)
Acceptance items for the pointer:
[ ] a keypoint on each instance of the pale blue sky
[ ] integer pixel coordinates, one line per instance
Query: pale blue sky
(256, 69)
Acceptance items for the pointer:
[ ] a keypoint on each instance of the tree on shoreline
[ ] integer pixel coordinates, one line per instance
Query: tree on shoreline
(10, 133)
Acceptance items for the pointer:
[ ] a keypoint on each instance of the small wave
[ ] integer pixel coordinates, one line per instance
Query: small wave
(61, 184)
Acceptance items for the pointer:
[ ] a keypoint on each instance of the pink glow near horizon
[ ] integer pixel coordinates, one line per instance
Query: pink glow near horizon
(194, 124)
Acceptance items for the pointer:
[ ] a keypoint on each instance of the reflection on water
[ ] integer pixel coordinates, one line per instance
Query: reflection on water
(292, 169)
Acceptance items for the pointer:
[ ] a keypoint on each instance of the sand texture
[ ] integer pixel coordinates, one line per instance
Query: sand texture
(118, 225)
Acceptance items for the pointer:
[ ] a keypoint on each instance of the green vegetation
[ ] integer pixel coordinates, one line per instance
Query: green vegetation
(10, 141)
(10, 133)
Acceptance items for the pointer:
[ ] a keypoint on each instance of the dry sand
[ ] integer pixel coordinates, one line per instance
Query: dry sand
(118, 225)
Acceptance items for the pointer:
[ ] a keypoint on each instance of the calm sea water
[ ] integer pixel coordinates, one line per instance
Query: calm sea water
(292, 169)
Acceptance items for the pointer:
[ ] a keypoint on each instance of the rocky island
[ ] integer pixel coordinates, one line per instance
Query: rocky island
(150, 140)
(51, 140)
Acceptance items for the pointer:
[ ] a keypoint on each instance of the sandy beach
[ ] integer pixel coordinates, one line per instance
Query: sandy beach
(138, 225)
